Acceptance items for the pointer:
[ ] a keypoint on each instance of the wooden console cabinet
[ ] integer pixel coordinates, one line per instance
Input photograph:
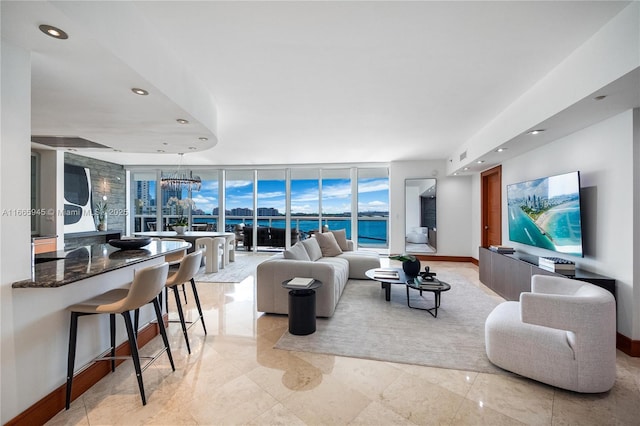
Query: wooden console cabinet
(509, 275)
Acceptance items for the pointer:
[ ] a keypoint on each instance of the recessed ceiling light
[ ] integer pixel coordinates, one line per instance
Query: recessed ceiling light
(53, 32)
(599, 98)
(501, 149)
(117, 150)
(139, 91)
(466, 168)
(192, 147)
(535, 132)
(160, 150)
(165, 143)
(182, 121)
(203, 139)
(480, 161)
(72, 149)
(455, 174)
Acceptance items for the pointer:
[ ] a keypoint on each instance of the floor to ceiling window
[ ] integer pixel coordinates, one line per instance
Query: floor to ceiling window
(271, 208)
(336, 200)
(373, 207)
(305, 201)
(205, 214)
(238, 203)
(144, 204)
(286, 205)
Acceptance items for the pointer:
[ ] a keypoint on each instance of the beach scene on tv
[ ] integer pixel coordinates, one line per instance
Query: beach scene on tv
(545, 213)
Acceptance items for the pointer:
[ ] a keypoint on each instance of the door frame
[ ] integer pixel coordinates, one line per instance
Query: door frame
(484, 202)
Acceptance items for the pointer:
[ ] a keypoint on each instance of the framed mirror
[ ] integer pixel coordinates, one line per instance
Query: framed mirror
(420, 216)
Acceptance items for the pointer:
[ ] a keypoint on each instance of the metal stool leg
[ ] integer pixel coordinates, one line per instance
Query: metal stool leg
(112, 331)
(71, 357)
(195, 296)
(134, 353)
(176, 292)
(163, 332)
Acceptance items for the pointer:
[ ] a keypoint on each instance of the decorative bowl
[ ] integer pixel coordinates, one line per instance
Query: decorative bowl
(131, 243)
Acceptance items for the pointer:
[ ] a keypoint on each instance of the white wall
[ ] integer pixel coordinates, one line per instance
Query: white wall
(15, 230)
(607, 56)
(34, 324)
(603, 153)
(453, 205)
(635, 334)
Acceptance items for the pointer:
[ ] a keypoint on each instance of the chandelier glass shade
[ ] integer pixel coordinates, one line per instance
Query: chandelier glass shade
(180, 179)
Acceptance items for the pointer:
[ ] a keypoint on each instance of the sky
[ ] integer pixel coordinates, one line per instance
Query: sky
(373, 195)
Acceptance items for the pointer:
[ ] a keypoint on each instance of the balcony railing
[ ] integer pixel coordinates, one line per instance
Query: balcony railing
(372, 230)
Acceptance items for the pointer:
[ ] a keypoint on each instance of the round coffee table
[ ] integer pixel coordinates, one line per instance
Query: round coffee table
(435, 286)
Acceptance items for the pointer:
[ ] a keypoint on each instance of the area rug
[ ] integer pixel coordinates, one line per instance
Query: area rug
(235, 272)
(364, 325)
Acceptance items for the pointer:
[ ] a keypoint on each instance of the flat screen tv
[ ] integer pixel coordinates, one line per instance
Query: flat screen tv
(546, 213)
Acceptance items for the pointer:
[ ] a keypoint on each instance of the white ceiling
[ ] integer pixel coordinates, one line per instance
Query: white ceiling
(292, 82)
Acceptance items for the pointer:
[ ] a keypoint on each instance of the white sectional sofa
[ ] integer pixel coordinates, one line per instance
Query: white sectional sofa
(328, 257)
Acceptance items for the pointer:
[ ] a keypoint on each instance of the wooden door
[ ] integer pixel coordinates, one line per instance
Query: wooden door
(491, 181)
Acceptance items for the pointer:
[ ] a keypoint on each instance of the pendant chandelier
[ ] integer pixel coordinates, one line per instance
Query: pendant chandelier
(181, 179)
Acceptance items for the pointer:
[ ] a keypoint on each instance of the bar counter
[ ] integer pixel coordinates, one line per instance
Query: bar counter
(59, 268)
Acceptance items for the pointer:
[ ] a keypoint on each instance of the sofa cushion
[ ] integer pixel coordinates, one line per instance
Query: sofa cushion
(341, 238)
(328, 245)
(313, 249)
(360, 262)
(296, 252)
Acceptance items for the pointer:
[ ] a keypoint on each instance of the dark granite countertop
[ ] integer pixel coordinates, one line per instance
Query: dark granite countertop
(59, 268)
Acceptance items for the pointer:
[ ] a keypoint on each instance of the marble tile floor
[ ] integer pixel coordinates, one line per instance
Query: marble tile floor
(234, 376)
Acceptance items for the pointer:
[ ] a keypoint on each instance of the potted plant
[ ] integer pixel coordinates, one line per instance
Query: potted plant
(410, 264)
(181, 205)
(181, 225)
(101, 214)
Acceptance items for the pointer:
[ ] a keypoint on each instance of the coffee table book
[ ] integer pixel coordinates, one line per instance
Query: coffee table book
(300, 282)
(423, 284)
(386, 274)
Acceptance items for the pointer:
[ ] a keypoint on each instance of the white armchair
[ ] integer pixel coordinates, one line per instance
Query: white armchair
(563, 333)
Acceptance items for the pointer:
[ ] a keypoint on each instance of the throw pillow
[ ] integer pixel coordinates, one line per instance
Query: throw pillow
(296, 252)
(341, 238)
(328, 244)
(313, 249)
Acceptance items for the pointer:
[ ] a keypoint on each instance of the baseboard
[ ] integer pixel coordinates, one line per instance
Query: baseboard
(426, 257)
(628, 346)
(45, 409)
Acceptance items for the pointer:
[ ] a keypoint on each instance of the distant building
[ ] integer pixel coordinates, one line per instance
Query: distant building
(268, 211)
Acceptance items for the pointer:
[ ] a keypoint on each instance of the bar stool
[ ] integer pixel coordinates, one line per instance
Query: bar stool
(173, 259)
(188, 269)
(212, 248)
(145, 288)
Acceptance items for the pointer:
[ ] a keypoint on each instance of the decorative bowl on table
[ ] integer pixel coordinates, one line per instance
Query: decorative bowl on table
(131, 243)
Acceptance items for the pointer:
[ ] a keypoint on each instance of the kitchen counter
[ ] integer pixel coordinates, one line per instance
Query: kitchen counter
(59, 268)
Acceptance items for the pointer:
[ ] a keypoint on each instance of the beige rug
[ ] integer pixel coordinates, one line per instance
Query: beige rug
(366, 326)
(244, 266)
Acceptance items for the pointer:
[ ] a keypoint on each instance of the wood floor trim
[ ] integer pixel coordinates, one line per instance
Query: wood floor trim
(45, 409)
(627, 345)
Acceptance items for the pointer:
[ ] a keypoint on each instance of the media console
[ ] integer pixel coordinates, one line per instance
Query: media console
(510, 274)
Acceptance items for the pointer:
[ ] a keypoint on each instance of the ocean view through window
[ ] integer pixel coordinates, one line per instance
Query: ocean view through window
(302, 200)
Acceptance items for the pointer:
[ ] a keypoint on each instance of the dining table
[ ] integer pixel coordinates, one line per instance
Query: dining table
(192, 236)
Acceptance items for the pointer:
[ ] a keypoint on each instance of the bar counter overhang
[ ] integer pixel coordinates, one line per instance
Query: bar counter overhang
(41, 321)
(59, 268)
